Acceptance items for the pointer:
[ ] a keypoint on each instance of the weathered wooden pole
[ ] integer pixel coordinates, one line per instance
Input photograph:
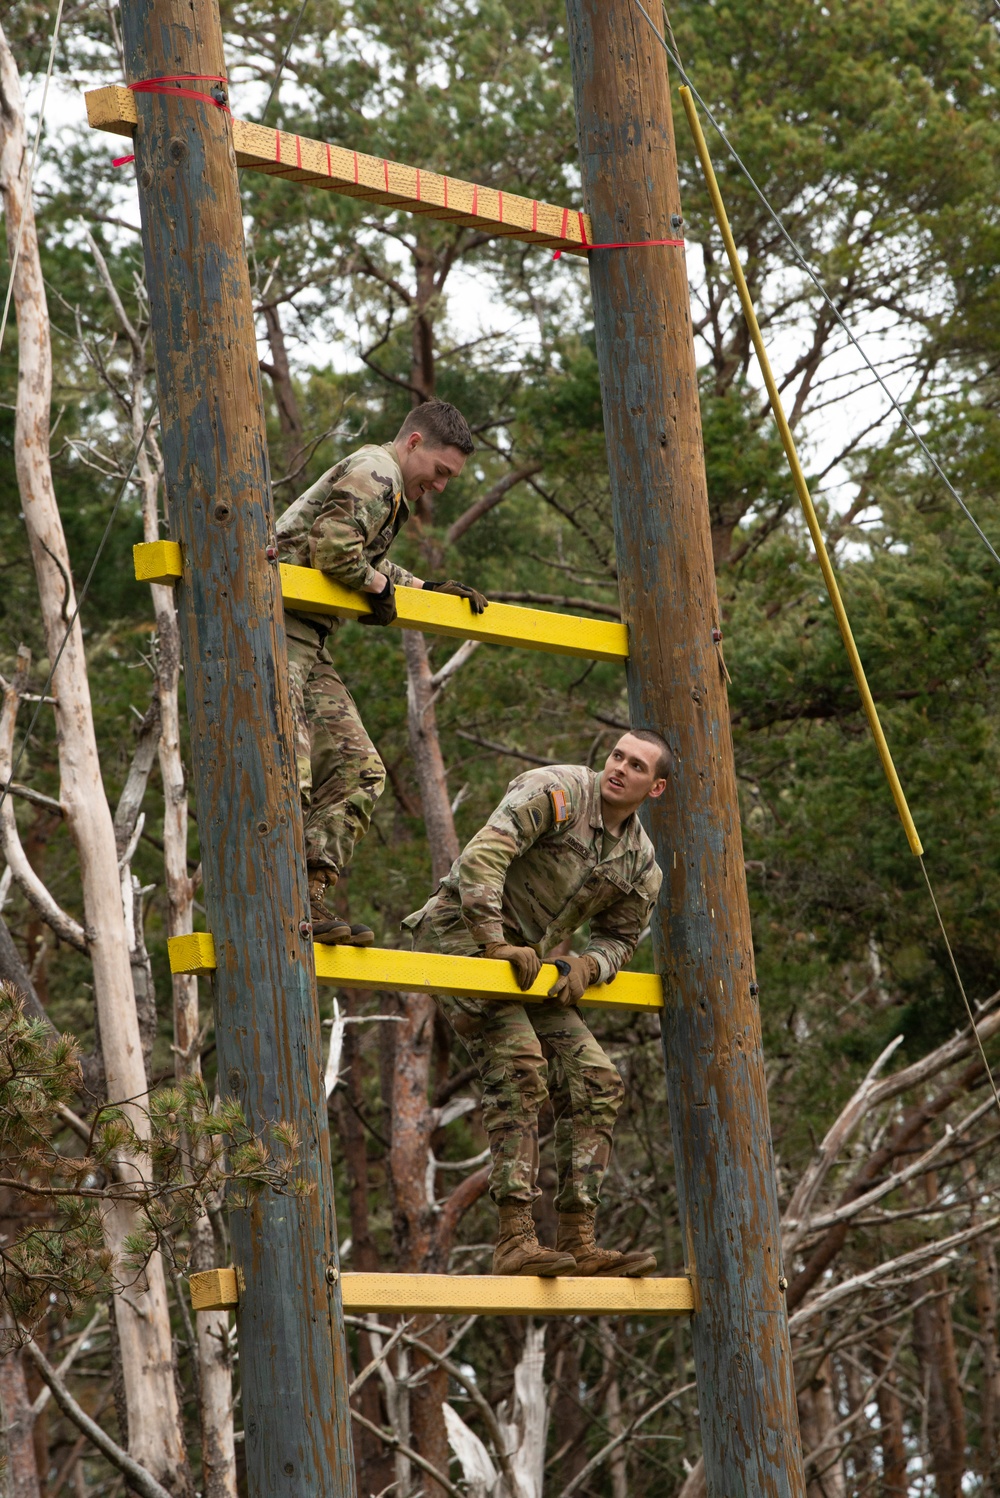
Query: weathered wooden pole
(711, 1028)
(292, 1351)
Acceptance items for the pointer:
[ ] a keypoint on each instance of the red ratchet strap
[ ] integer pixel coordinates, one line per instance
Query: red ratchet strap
(161, 86)
(624, 244)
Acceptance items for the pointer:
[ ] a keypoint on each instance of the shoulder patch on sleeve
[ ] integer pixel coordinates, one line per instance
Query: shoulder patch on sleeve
(560, 805)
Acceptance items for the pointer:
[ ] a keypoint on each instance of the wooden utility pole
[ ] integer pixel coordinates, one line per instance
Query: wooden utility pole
(676, 682)
(292, 1352)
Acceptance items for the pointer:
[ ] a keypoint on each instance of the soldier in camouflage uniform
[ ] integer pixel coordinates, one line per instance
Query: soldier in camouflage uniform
(563, 848)
(344, 525)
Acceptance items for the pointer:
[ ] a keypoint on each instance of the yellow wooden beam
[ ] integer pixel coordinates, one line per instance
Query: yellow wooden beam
(430, 972)
(309, 590)
(480, 1294)
(314, 163)
(470, 977)
(214, 1290)
(158, 561)
(192, 954)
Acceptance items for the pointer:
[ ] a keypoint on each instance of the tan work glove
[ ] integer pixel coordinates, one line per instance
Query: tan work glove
(576, 974)
(524, 960)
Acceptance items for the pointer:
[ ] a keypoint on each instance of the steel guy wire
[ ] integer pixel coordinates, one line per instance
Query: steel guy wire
(958, 980)
(284, 60)
(937, 467)
(814, 278)
(5, 789)
(31, 175)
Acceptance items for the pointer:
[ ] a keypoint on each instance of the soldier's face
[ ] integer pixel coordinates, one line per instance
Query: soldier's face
(631, 774)
(426, 469)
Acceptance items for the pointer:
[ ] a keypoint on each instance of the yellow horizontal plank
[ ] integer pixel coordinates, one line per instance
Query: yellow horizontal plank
(308, 589)
(430, 972)
(515, 1295)
(312, 592)
(157, 561)
(469, 977)
(482, 1294)
(315, 163)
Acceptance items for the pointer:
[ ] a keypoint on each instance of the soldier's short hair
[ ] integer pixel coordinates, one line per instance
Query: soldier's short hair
(665, 761)
(441, 425)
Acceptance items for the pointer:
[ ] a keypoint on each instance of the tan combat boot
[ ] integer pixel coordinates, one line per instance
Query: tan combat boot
(327, 927)
(576, 1236)
(518, 1251)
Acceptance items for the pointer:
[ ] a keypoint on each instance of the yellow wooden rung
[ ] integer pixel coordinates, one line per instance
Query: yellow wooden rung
(480, 1294)
(430, 972)
(515, 1295)
(307, 589)
(157, 561)
(214, 1290)
(314, 163)
(192, 954)
(469, 977)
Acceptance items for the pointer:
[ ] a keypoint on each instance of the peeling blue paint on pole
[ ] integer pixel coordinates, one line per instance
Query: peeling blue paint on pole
(293, 1361)
(702, 941)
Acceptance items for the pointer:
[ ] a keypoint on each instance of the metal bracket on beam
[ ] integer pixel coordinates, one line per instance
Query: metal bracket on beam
(310, 591)
(481, 1294)
(430, 972)
(314, 163)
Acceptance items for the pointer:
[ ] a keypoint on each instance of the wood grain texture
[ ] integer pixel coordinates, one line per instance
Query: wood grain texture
(214, 1290)
(308, 589)
(292, 1351)
(479, 1294)
(317, 163)
(702, 939)
(430, 972)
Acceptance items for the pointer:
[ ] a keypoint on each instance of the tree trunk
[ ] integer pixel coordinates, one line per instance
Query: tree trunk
(372, 1457)
(280, 376)
(141, 1312)
(934, 1344)
(423, 1237)
(890, 1416)
(215, 1374)
(423, 371)
(618, 1460)
(984, 1289)
(18, 1471)
(860, 1437)
(817, 1421)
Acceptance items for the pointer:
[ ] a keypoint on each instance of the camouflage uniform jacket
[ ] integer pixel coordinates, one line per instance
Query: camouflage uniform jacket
(535, 872)
(346, 522)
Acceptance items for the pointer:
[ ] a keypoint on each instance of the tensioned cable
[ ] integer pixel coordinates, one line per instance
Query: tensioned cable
(5, 790)
(687, 95)
(31, 174)
(803, 262)
(958, 979)
(798, 474)
(281, 65)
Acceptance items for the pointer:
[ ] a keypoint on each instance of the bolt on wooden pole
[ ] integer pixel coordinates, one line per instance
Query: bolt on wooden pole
(292, 1353)
(711, 1023)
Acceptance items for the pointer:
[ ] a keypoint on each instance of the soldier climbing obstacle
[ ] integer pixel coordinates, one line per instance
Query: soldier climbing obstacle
(344, 525)
(563, 848)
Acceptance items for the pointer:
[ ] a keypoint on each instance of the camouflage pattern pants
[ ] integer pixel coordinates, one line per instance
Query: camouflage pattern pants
(525, 1054)
(340, 774)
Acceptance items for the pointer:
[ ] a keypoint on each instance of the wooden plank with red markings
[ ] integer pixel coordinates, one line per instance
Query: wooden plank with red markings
(375, 179)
